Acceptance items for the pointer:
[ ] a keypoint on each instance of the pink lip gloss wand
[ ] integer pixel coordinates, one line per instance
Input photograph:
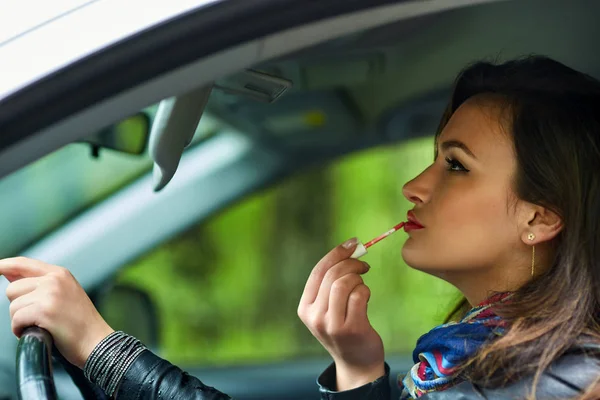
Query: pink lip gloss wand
(361, 249)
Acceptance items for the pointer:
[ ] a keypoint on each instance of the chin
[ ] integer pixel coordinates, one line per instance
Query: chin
(412, 259)
(419, 260)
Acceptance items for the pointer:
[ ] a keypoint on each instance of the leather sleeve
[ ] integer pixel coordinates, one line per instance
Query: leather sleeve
(151, 377)
(379, 389)
(567, 378)
(463, 391)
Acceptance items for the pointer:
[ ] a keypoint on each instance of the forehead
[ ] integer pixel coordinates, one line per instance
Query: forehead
(483, 126)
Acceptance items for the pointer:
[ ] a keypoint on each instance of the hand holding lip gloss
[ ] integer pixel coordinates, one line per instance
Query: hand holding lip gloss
(334, 308)
(361, 249)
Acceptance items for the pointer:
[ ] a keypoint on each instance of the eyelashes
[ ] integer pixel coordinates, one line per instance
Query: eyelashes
(454, 165)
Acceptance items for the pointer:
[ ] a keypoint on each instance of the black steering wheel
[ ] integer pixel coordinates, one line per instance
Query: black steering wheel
(35, 380)
(34, 365)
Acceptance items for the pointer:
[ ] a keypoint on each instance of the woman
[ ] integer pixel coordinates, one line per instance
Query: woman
(511, 214)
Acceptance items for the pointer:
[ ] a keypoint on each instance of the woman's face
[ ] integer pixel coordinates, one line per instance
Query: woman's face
(464, 199)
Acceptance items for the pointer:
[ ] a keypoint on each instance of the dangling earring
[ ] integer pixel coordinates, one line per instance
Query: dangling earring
(531, 236)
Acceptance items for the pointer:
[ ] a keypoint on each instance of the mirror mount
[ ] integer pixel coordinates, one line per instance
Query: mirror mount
(94, 151)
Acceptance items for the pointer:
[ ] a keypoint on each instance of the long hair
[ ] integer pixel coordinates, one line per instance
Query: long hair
(553, 116)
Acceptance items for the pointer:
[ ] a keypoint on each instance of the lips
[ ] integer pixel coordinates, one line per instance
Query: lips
(413, 221)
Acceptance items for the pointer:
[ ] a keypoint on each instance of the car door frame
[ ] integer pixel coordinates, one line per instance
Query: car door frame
(138, 70)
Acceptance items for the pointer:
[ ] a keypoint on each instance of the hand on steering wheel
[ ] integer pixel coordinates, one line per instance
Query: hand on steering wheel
(49, 297)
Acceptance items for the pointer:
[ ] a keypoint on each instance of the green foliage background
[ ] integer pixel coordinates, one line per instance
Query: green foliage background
(227, 290)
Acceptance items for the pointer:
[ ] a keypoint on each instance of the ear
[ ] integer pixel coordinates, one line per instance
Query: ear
(543, 223)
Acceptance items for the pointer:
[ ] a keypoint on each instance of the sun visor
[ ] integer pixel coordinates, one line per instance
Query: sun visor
(173, 129)
(255, 85)
(419, 118)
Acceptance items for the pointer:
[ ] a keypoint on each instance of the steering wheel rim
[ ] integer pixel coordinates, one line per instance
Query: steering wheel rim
(34, 365)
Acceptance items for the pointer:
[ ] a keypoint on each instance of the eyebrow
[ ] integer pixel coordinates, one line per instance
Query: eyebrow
(457, 143)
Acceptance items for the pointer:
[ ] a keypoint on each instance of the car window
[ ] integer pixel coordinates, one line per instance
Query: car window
(46, 194)
(227, 289)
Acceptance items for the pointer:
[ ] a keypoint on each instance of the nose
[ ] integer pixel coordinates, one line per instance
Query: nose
(418, 190)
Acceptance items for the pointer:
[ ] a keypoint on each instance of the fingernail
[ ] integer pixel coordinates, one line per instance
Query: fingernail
(367, 265)
(350, 243)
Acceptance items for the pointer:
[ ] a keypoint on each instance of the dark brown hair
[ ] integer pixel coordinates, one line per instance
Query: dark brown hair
(554, 121)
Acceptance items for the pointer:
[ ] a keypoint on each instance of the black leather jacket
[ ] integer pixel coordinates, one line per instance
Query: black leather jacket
(151, 377)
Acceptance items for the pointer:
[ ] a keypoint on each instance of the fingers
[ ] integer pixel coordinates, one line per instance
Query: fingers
(22, 267)
(339, 253)
(24, 318)
(338, 299)
(21, 302)
(332, 275)
(21, 287)
(357, 305)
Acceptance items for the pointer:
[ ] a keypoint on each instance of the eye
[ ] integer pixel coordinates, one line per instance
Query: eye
(455, 166)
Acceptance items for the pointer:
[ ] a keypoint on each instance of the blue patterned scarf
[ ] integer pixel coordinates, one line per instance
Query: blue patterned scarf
(441, 351)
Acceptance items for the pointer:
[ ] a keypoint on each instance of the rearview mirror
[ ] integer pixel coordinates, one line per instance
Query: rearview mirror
(128, 136)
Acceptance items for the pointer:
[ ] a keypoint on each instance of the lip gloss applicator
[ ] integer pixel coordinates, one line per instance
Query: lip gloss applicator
(361, 249)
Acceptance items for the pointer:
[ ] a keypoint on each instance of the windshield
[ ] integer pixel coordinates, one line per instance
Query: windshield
(49, 192)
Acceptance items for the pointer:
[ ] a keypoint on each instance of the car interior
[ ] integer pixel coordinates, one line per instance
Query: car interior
(194, 152)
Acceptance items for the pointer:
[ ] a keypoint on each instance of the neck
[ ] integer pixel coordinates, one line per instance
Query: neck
(477, 286)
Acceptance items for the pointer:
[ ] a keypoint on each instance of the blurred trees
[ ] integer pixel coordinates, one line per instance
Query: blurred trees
(228, 289)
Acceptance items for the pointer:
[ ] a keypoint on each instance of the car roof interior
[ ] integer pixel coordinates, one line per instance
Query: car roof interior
(392, 82)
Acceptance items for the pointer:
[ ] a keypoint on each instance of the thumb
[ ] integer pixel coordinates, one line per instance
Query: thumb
(352, 248)
(359, 250)
(346, 250)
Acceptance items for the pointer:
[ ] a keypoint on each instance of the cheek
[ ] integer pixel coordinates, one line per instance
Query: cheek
(469, 204)
(476, 210)
(462, 230)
